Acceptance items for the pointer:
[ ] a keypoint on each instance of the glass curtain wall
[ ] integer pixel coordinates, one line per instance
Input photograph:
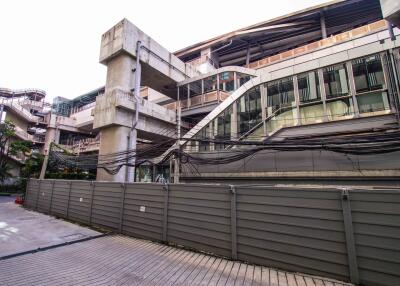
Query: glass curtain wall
(369, 81)
(281, 104)
(336, 81)
(210, 83)
(223, 127)
(339, 104)
(311, 106)
(281, 110)
(249, 112)
(241, 79)
(226, 81)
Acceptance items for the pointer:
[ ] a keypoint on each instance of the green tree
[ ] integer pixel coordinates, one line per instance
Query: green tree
(9, 148)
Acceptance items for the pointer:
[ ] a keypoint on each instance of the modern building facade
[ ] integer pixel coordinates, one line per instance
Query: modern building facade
(327, 71)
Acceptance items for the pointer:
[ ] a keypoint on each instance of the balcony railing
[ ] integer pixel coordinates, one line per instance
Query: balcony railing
(215, 96)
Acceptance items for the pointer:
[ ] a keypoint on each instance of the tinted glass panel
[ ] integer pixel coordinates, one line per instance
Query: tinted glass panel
(336, 81)
(249, 110)
(368, 73)
(308, 84)
(280, 94)
(210, 83)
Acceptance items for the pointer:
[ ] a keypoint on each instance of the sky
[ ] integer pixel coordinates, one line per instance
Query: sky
(54, 45)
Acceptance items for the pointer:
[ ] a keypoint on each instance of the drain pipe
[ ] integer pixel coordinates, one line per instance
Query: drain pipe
(130, 168)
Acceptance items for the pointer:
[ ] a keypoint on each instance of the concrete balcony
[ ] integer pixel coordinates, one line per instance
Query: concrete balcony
(118, 107)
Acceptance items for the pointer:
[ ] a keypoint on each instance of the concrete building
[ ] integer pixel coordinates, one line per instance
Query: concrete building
(321, 72)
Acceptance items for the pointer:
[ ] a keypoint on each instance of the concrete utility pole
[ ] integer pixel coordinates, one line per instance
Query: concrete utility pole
(135, 119)
(178, 145)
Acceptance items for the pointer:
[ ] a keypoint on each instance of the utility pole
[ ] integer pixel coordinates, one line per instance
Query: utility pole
(130, 175)
(178, 145)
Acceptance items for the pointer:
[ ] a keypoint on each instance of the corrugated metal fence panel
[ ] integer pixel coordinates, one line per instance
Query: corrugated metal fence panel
(60, 198)
(31, 193)
(376, 222)
(289, 228)
(143, 211)
(45, 193)
(295, 229)
(199, 217)
(106, 205)
(79, 201)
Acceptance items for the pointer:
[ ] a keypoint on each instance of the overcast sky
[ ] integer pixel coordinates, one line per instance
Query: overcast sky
(54, 45)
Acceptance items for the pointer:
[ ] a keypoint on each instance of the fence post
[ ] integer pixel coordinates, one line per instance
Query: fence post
(350, 241)
(92, 183)
(165, 214)
(37, 195)
(51, 196)
(69, 197)
(121, 215)
(233, 222)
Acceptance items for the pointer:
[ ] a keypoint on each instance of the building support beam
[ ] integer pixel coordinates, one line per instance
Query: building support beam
(248, 54)
(323, 25)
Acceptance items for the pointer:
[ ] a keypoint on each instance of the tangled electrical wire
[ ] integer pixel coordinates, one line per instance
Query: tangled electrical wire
(366, 143)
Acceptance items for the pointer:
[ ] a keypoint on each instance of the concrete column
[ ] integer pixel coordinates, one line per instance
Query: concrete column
(113, 138)
(323, 26)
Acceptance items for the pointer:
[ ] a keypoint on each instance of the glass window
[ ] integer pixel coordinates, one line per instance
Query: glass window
(210, 83)
(226, 81)
(308, 84)
(340, 109)
(223, 127)
(313, 113)
(204, 134)
(241, 79)
(280, 95)
(336, 81)
(195, 88)
(368, 73)
(372, 102)
(249, 110)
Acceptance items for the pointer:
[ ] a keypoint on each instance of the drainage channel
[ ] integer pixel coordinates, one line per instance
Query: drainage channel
(40, 249)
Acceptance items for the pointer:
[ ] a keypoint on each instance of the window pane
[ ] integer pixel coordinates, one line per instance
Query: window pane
(336, 81)
(226, 82)
(372, 102)
(195, 88)
(241, 79)
(312, 113)
(249, 110)
(282, 118)
(280, 95)
(204, 133)
(308, 87)
(223, 131)
(340, 109)
(210, 83)
(368, 73)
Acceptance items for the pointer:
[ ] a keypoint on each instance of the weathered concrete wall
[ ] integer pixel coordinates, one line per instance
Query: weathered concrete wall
(161, 69)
